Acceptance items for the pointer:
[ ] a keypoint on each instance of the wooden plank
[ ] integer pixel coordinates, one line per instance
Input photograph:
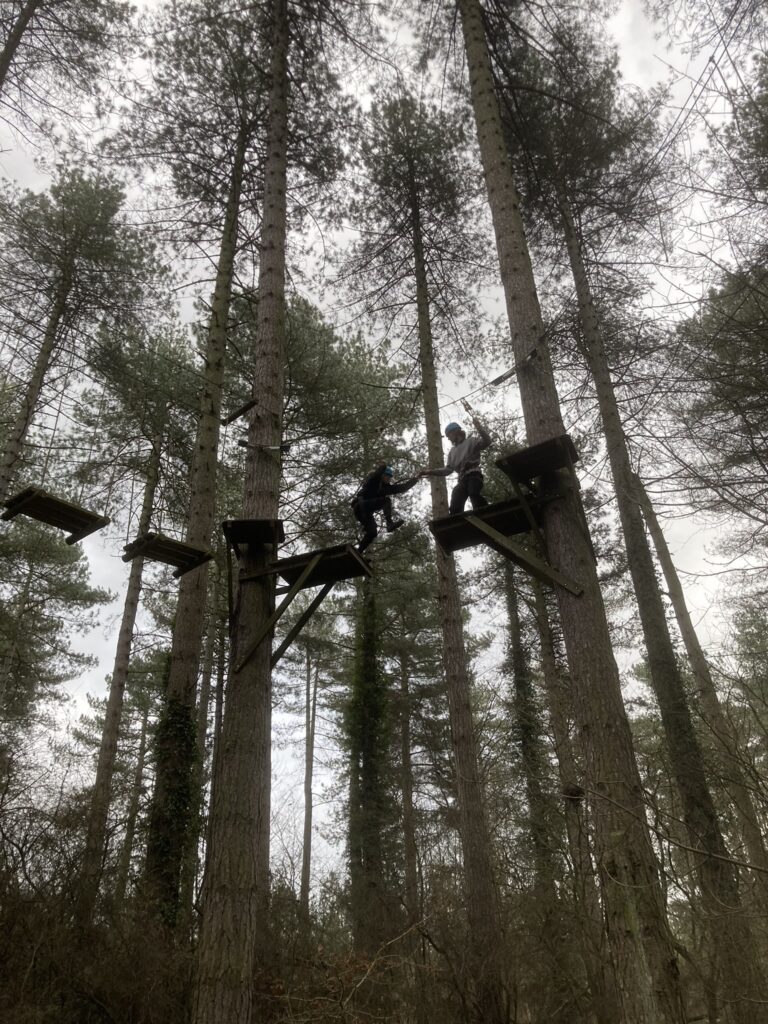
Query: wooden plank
(338, 563)
(57, 512)
(274, 618)
(241, 411)
(525, 559)
(545, 457)
(158, 548)
(508, 517)
(297, 627)
(253, 531)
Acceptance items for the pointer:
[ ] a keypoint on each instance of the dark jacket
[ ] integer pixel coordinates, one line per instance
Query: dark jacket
(375, 485)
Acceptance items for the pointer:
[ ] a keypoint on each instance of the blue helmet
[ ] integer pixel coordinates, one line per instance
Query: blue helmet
(388, 471)
(450, 428)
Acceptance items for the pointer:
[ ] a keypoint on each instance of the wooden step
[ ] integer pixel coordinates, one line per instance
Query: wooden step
(47, 508)
(540, 459)
(158, 548)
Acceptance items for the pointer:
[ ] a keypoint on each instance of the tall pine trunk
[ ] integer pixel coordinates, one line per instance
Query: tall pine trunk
(102, 788)
(711, 710)
(126, 852)
(312, 673)
(175, 740)
(639, 935)
(412, 902)
(564, 994)
(486, 967)
(366, 734)
(20, 26)
(234, 924)
(214, 634)
(18, 432)
(410, 850)
(600, 972)
(728, 926)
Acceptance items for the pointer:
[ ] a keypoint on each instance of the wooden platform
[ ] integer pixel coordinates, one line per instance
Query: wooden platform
(546, 457)
(240, 532)
(339, 563)
(323, 567)
(46, 508)
(159, 548)
(507, 517)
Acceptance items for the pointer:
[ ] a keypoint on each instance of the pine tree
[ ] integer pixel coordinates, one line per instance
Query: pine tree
(53, 50)
(419, 252)
(637, 928)
(70, 262)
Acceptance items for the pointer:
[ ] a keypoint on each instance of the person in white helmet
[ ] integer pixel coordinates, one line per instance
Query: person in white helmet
(464, 459)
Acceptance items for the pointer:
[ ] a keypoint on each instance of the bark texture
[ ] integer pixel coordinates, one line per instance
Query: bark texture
(366, 732)
(126, 853)
(600, 974)
(20, 26)
(486, 966)
(102, 788)
(18, 432)
(234, 924)
(564, 1001)
(175, 743)
(714, 716)
(730, 932)
(640, 941)
(312, 673)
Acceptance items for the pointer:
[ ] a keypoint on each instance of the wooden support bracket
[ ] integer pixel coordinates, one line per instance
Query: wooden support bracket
(525, 559)
(297, 627)
(276, 615)
(530, 517)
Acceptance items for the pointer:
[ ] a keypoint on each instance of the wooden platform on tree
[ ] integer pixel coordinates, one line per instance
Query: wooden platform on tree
(454, 533)
(46, 508)
(240, 532)
(335, 564)
(323, 567)
(539, 459)
(159, 548)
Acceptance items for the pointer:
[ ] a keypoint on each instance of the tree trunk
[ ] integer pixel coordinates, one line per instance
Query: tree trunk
(366, 730)
(124, 865)
(14, 38)
(565, 992)
(714, 716)
(486, 960)
(175, 740)
(600, 972)
(234, 923)
(410, 849)
(729, 928)
(641, 942)
(191, 854)
(310, 717)
(18, 431)
(102, 788)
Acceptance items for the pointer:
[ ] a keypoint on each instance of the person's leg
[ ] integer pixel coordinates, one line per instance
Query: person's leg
(365, 516)
(474, 485)
(458, 498)
(392, 524)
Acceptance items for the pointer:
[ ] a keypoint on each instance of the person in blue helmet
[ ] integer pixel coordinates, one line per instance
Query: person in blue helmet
(375, 495)
(464, 459)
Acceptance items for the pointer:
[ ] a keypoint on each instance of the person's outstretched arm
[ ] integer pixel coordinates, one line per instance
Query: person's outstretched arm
(485, 438)
(406, 485)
